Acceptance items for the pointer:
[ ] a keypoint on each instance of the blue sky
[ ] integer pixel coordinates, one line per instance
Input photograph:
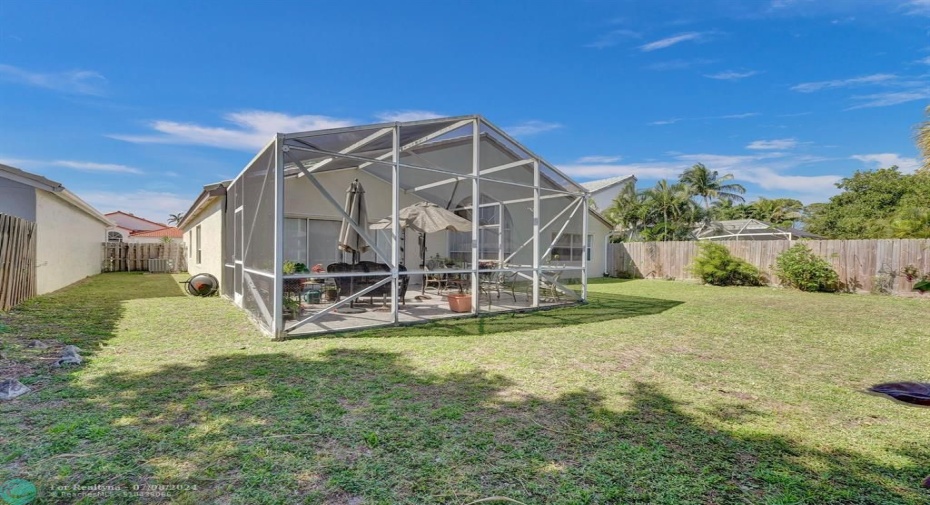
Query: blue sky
(136, 105)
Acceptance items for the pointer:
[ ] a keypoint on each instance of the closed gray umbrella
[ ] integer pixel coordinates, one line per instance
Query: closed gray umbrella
(357, 210)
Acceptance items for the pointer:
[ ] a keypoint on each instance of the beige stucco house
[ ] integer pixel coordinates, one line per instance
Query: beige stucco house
(69, 231)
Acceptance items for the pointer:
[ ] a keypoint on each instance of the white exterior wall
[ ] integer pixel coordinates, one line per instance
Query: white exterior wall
(68, 243)
(210, 221)
(605, 198)
(598, 262)
(301, 199)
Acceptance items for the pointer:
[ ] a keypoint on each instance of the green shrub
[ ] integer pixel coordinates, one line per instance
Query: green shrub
(715, 265)
(800, 268)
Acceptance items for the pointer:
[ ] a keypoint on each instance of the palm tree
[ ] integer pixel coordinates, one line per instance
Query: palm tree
(923, 141)
(628, 209)
(175, 218)
(778, 211)
(708, 185)
(673, 202)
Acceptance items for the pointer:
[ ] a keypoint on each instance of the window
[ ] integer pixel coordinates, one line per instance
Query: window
(190, 243)
(493, 238)
(198, 245)
(114, 236)
(311, 241)
(569, 248)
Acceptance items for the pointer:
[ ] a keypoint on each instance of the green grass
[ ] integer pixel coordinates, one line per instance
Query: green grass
(655, 392)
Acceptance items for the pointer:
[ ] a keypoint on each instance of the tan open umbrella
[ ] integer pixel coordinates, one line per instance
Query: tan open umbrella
(357, 210)
(425, 217)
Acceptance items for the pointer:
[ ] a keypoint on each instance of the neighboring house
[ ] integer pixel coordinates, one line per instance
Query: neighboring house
(604, 191)
(748, 229)
(158, 236)
(126, 224)
(202, 230)
(69, 232)
(230, 229)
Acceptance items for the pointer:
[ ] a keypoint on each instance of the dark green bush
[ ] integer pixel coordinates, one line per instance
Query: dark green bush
(800, 268)
(715, 265)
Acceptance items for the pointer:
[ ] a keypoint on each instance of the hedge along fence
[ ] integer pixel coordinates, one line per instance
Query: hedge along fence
(859, 263)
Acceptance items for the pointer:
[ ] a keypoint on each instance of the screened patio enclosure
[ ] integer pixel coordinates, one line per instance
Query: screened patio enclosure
(528, 246)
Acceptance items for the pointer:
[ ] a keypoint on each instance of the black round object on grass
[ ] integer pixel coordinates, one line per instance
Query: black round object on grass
(202, 285)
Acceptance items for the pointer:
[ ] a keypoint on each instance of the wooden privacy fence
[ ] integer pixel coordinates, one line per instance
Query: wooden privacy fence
(17, 261)
(859, 263)
(134, 257)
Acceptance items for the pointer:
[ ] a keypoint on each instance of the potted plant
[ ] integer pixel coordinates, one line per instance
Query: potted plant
(459, 302)
(291, 308)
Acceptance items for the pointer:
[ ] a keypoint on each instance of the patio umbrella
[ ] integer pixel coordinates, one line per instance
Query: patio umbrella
(426, 217)
(355, 208)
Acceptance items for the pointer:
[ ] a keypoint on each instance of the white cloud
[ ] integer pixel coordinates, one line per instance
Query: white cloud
(776, 144)
(251, 130)
(406, 115)
(612, 38)
(885, 160)
(83, 166)
(810, 87)
(890, 98)
(155, 205)
(598, 159)
(731, 75)
(81, 82)
(88, 166)
(925, 60)
(679, 64)
(917, 7)
(671, 41)
(736, 116)
(666, 121)
(528, 128)
(770, 171)
(744, 115)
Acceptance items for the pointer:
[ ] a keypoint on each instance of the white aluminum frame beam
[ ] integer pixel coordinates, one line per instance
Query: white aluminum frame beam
(483, 172)
(332, 201)
(352, 148)
(423, 140)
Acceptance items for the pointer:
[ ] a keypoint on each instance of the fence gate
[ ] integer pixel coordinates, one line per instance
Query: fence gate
(17, 261)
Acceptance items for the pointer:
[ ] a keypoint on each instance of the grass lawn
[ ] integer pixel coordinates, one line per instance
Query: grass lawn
(655, 392)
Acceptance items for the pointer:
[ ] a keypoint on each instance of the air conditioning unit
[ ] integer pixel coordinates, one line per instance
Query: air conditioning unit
(161, 266)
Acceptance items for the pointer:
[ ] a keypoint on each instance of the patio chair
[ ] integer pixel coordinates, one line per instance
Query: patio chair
(433, 277)
(498, 281)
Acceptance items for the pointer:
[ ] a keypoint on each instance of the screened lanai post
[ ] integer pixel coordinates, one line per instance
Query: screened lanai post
(585, 246)
(476, 211)
(536, 232)
(395, 223)
(278, 325)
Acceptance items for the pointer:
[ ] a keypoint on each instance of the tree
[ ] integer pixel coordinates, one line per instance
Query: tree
(709, 185)
(923, 141)
(175, 218)
(880, 203)
(781, 212)
(677, 210)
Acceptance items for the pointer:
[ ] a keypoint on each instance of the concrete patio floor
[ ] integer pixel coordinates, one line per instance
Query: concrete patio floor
(417, 309)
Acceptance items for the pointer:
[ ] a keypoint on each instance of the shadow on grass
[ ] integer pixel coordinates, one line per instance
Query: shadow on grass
(87, 312)
(600, 307)
(362, 426)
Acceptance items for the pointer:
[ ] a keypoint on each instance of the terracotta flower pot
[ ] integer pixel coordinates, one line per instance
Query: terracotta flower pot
(459, 303)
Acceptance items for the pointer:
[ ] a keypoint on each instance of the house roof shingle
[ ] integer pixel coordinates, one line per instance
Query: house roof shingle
(168, 231)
